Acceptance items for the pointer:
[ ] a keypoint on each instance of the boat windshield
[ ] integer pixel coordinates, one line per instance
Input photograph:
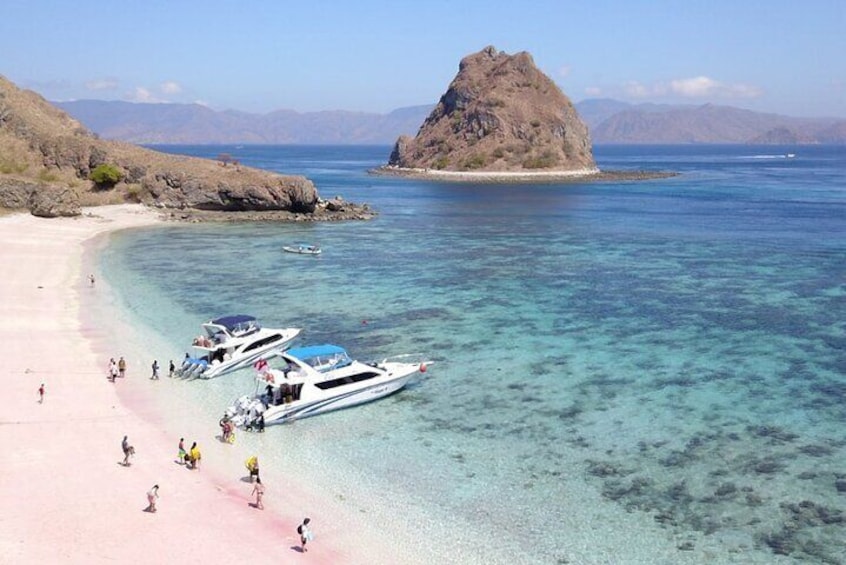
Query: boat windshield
(321, 357)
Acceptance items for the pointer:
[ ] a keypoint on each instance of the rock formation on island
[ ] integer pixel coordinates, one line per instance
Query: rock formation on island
(52, 165)
(500, 114)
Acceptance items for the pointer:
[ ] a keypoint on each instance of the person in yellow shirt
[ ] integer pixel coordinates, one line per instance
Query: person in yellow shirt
(195, 456)
(252, 467)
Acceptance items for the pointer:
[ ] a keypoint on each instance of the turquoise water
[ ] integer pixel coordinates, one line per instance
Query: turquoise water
(668, 355)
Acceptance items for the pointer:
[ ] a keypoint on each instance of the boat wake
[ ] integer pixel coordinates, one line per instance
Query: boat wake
(777, 156)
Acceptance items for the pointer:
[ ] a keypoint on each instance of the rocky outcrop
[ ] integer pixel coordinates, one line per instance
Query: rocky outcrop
(500, 113)
(15, 193)
(46, 158)
(231, 190)
(51, 201)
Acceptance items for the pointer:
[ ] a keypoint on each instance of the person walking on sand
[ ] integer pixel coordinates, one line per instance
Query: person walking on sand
(41, 394)
(91, 279)
(113, 370)
(305, 532)
(152, 495)
(127, 451)
(182, 455)
(122, 367)
(155, 375)
(171, 369)
(258, 490)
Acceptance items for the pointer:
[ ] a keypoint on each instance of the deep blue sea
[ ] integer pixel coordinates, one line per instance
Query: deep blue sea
(625, 372)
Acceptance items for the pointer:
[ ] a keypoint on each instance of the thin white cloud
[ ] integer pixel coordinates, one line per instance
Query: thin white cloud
(634, 89)
(593, 91)
(564, 71)
(695, 87)
(141, 94)
(701, 87)
(101, 84)
(706, 87)
(170, 87)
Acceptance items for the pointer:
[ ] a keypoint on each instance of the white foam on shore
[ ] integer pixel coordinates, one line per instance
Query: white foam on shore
(489, 176)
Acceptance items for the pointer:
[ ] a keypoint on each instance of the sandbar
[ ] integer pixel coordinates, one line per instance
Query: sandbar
(591, 174)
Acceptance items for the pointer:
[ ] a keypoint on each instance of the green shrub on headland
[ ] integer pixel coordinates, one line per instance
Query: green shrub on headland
(106, 175)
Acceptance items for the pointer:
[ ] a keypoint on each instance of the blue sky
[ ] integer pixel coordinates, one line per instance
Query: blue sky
(375, 56)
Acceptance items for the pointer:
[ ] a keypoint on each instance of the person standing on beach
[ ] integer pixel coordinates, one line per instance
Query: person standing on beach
(113, 370)
(127, 451)
(253, 467)
(182, 455)
(122, 367)
(171, 369)
(305, 533)
(194, 456)
(155, 375)
(152, 495)
(41, 394)
(258, 490)
(91, 279)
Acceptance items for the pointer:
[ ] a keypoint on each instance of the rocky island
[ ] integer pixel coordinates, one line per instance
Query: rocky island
(501, 117)
(52, 165)
(500, 120)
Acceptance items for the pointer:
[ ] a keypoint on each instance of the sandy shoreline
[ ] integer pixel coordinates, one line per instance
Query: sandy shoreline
(67, 498)
(504, 177)
(519, 177)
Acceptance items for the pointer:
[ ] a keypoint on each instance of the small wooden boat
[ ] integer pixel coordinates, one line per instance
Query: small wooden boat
(303, 249)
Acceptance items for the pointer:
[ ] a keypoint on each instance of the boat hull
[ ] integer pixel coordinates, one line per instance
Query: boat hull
(306, 408)
(216, 370)
(244, 354)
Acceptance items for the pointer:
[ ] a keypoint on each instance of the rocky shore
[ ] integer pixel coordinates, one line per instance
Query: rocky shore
(334, 210)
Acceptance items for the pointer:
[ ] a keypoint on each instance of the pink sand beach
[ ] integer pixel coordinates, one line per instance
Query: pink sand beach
(65, 495)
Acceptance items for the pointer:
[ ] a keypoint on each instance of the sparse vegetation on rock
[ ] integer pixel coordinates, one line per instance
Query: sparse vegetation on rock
(106, 175)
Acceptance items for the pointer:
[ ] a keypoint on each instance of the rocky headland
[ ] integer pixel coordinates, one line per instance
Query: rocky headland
(52, 165)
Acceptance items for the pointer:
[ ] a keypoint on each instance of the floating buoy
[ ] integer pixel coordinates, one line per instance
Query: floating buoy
(422, 367)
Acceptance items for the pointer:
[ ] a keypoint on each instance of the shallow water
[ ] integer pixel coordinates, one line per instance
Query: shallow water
(624, 372)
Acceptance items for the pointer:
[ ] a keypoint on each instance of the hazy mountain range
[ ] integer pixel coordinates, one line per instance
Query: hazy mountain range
(609, 121)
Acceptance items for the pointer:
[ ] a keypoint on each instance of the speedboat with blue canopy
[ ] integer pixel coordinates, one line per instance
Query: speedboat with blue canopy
(230, 343)
(306, 381)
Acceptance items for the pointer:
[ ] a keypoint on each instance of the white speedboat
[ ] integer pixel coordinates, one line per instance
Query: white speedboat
(231, 343)
(303, 249)
(306, 381)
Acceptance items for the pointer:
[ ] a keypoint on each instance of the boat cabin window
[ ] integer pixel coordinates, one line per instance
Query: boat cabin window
(326, 385)
(262, 342)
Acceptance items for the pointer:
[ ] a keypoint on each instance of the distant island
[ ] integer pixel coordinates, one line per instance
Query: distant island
(609, 122)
